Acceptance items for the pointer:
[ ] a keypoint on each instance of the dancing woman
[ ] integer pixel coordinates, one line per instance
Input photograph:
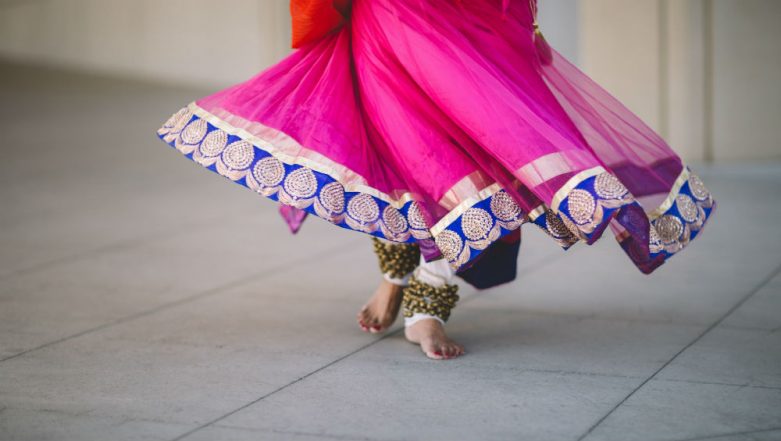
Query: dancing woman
(440, 127)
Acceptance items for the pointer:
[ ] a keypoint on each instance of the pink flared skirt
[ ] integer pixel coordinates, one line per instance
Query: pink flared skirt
(444, 123)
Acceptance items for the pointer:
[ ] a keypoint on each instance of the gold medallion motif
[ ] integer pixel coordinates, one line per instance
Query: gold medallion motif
(476, 223)
(182, 117)
(394, 220)
(301, 183)
(450, 244)
(574, 229)
(170, 121)
(669, 228)
(698, 189)
(332, 197)
(238, 155)
(687, 208)
(269, 171)
(194, 132)
(555, 225)
(363, 208)
(415, 217)
(581, 206)
(607, 186)
(654, 242)
(214, 143)
(204, 138)
(174, 118)
(504, 207)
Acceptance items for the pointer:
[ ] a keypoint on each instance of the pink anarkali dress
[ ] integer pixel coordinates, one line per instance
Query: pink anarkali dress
(450, 124)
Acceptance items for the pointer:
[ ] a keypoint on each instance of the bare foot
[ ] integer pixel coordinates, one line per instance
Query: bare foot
(381, 310)
(430, 335)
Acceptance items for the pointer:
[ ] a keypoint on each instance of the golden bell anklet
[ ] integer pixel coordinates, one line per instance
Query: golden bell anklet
(423, 298)
(396, 259)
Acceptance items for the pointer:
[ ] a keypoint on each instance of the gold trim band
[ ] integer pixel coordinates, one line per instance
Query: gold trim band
(466, 204)
(352, 182)
(554, 164)
(573, 182)
(537, 212)
(670, 199)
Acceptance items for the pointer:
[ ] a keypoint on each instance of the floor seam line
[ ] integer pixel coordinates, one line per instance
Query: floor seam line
(166, 306)
(716, 383)
(293, 432)
(729, 312)
(285, 386)
(543, 264)
(749, 432)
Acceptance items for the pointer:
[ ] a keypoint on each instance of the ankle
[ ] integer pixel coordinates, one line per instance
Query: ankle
(397, 260)
(418, 317)
(397, 281)
(421, 301)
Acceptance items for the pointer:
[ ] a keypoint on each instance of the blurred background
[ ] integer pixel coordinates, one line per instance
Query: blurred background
(144, 298)
(704, 73)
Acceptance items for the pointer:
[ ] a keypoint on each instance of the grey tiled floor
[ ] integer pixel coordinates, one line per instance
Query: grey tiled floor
(143, 298)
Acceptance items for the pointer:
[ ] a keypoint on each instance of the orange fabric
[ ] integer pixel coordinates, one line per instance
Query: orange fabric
(313, 19)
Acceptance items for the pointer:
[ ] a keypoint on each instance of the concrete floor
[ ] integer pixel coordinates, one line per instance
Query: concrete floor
(144, 298)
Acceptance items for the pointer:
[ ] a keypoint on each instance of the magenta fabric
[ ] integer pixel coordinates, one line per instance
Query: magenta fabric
(415, 95)
(439, 99)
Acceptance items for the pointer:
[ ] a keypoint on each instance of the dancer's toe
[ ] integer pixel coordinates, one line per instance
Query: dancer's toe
(430, 335)
(379, 313)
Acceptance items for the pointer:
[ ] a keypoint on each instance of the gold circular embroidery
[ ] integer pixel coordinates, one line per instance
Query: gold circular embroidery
(476, 223)
(698, 189)
(332, 197)
(182, 118)
(415, 217)
(608, 186)
(686, 207)
(655, 242)
(214, 143)
(669, 228)
(174, 118)
(504, 207)
(581, 206)
(301, 183)
(556, 226)
(394, 220)
(450, 244)
(363, 208)
(574, 229)
(269, 171)
(194, 132)
(238, 155)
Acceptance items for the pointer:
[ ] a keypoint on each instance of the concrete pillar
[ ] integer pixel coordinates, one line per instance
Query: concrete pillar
(685, 69)
(746, 71)
(558, 20)
(620, 49)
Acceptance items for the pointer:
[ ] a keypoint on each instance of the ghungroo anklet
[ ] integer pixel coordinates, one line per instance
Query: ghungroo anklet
(427, 299)
(396, 259)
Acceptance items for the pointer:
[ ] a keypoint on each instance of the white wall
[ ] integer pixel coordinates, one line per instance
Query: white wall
(704, 73)
(746, 79)
(619, 49)
(191, 41)
(685, 89)
(558, 20)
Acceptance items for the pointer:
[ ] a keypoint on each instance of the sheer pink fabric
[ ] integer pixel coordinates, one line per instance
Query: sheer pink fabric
(415, 95)
(435, 100)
